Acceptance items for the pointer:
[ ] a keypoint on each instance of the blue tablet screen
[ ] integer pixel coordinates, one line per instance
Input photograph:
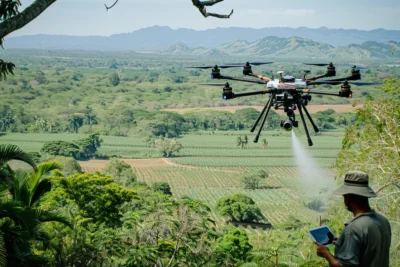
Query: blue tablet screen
(322, 235)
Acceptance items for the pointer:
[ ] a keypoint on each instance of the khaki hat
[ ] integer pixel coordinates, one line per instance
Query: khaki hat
(356, 183)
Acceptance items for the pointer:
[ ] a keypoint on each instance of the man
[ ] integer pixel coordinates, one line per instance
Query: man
(366, 239)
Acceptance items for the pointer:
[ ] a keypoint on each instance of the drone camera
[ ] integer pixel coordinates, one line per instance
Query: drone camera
(289, 124)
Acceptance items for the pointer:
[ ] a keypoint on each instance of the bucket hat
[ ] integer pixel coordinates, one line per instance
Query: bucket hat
(356, 183)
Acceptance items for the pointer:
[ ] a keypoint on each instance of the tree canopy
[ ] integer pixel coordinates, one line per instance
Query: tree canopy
(239, 207)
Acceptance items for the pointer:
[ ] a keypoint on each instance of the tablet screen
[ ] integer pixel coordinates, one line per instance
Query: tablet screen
(322, 235)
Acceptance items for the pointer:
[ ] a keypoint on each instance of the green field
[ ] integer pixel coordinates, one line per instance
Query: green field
(209, 166)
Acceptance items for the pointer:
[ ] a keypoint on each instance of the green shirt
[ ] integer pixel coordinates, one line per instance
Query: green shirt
(365, 241)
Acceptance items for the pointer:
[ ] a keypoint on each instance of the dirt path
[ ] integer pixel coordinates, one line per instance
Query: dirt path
(232, 109)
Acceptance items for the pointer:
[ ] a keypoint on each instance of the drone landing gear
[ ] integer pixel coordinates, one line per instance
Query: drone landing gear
(265, 110)
(300, 106)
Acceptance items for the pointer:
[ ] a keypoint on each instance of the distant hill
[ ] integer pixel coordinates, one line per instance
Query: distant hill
(293, 47)
(159, 38)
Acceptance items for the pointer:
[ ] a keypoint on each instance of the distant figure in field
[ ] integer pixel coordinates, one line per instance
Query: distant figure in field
(366, 238)
(202, 4)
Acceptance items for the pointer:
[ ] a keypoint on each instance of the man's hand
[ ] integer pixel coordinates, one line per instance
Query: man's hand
(322, 250)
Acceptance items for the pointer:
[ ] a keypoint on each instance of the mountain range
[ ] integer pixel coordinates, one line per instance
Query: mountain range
(158, 38)
(296, 47)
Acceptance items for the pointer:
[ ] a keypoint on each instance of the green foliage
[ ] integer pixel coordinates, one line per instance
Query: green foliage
(69, 165)
(372, 145)
(239, 207)
(114, 79)
(239, 142)
(88, 147)
(22, 220)
(60, 148)
(82, 149)
(74, 123)
(252, 179)
(40, 77)
(30, 187)
(233, 248)
(162, 187)
(264, 143)
(6, 68)
(97, 196)
(121, 172)
(7, 116)
(167, 146)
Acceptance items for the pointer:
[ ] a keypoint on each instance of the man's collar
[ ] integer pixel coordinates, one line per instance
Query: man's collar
(368, 213)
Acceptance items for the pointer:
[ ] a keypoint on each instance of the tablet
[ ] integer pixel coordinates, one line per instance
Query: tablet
(322, 235)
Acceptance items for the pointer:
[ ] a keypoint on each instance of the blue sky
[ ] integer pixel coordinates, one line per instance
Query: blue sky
(89, 17)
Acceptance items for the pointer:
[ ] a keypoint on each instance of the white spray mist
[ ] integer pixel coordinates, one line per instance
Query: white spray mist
(314, 181)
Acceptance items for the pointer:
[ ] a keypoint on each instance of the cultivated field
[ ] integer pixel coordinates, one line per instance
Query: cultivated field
(210, 167)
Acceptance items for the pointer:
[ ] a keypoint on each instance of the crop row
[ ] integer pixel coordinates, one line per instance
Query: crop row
(248, 162)
(210, 184)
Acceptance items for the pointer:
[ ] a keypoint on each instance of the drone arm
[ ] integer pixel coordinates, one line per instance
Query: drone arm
(350, 78)
(241, 80)
(252, 93)
(264, 78)
(307, 91)
(317, 77)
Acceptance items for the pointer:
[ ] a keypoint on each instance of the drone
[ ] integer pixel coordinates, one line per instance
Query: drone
(286, 92)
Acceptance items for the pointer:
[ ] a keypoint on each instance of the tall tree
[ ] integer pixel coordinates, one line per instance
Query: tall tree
(74, 123)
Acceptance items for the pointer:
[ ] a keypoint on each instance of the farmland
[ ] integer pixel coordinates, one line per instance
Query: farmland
(210, 167)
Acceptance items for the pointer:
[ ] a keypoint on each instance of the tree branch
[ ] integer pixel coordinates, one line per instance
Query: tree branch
(201, 6)
(23, 18)
(109, 7)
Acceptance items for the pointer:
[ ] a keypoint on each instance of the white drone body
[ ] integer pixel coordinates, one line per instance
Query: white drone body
(286, 82)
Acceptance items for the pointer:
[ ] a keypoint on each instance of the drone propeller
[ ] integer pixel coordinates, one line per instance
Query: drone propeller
(365, 83)
(344, 82)
(317, 64)
(353, 66)
(216, 67)
(214, 84)
(252, 63)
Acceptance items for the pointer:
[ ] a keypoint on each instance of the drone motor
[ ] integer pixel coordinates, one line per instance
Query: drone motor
(215, 73)
(227, 92)
(355, 73)
(247, 69)
(331, 70)
(345, 90)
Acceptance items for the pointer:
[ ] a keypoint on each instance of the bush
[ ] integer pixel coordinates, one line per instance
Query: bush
(121, 172)
(162, 187)
(239, 207)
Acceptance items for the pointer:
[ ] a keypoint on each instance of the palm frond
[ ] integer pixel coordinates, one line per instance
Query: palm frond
(13, 152)
(43, 187)
(48, 216)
